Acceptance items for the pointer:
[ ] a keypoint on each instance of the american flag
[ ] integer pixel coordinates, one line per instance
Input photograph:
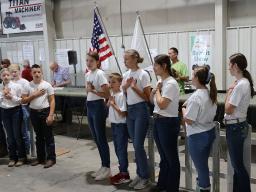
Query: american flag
(99, 40)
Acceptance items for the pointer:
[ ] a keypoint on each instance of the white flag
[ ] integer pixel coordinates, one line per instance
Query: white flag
(139, 44)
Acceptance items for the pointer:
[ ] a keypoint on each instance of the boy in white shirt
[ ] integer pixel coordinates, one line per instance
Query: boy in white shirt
(117, 117)
(15, 73)
(42, 106)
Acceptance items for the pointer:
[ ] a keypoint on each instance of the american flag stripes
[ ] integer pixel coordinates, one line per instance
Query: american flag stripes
(99, 40)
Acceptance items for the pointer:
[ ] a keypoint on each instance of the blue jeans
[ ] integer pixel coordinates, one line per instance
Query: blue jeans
(199, 146)
(137, 123)
(97, 114)
(3, 144)
(25, 127)
(236, 134)
(120, 138)
(166, 131)
(12, 123)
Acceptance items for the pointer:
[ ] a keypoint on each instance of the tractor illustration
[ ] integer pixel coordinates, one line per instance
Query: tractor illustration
(12, 22)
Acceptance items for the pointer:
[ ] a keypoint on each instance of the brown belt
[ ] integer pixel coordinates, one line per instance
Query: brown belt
(233, 121)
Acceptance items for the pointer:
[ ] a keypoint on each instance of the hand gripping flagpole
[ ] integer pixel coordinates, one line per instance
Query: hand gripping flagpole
(105, 31)
(146, 42)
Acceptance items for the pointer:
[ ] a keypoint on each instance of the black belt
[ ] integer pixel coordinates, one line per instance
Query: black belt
(40, 110)
(157, 116)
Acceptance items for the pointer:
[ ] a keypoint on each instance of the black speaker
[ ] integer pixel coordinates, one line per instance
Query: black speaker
(72, 57)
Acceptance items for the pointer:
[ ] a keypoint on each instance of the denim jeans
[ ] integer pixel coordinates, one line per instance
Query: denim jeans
(12, 124)
(45, 145)
(97, 114)
(199, 146)
(120, 138)
(137, 123)
(166, 131)
(236, 134)
(25, 127)
(3, 143)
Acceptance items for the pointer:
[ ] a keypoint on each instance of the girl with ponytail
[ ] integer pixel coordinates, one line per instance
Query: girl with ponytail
(136, 85)
(236, 106)
(199, 112)
(166, 127)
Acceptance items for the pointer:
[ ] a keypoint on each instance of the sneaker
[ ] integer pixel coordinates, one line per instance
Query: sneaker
(11, 163)
(19, 163)
(95, 174)
(120, 178)
(134, 182)
(104, 174)
(141, 184)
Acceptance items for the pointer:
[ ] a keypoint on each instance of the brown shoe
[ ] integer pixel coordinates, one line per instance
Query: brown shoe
(20, 163)
(11, 163)
(49, 163)
(37, 162)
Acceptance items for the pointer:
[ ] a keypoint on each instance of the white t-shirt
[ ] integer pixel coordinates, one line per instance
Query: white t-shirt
(170, 90)
(97, 78)
(15, 91)
(201, 110)
(240, 98)
(24, 84)
(120, 101)
(42, 101)
(143, 81)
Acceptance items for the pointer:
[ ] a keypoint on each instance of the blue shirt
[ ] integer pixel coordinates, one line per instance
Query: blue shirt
(61, 75)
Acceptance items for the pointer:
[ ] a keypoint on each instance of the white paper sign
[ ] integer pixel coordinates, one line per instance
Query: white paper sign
(61, 57)
(28, 53)
(22, 16)
(20, 57)
(9, 56)
(41, 54)
(14, 56)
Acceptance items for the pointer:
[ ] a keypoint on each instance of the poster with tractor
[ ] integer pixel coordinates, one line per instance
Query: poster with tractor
(20, 16)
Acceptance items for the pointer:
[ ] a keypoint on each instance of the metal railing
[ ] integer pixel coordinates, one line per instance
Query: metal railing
(215, 152)
(188, 161)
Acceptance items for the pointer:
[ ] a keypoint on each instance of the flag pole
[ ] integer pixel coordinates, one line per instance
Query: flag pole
(121, 24)
(105, 31)
(152, 63)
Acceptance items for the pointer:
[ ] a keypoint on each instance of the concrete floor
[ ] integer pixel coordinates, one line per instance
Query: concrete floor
(72, 171)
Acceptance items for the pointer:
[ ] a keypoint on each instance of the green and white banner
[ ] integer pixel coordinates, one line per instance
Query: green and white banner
(201, 49)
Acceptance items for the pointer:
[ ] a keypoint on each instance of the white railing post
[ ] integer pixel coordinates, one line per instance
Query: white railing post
(188, 168)
(216, 160)
(151, 150)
